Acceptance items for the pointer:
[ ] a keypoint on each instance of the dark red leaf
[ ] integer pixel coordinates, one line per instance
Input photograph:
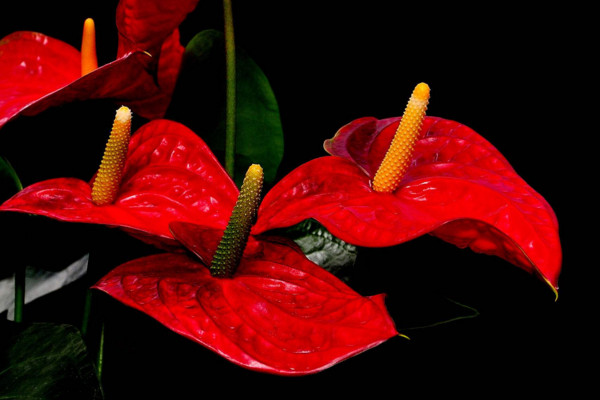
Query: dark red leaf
(145, 25)
(280, 313)
(169, 63)
(459, 187)
(152, 27)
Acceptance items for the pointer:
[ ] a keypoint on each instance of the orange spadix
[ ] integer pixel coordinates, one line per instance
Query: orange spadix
(89, 59)
(108, 179)
(400, 153)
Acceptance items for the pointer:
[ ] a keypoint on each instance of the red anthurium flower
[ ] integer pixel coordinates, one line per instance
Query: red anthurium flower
(455, 186)
(164, 173)
(38, 72)
(257, 301)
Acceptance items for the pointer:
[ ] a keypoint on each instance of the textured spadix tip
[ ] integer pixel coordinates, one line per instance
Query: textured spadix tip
(249, 197)
(108, 179)
(421, 92)
(231, 247)
(123, 115)
(255, 170)
(400, 153)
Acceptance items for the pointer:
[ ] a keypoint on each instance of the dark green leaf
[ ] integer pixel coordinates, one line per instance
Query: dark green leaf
(45, 361)
(199, 103)
(322, 248)
(9, 181)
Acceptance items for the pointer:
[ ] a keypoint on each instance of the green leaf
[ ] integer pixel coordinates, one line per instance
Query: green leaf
(199, 102)
(322, 248)
(9, 181)
(45, 361)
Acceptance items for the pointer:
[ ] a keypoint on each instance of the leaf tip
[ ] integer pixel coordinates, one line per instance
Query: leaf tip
(553, 286)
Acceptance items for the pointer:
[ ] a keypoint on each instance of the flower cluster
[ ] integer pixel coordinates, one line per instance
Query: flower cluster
(227, 276)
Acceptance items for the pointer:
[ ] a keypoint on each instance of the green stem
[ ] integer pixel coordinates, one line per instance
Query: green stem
(87, 307)
(20, 272)
(230, 90)
(19, 292)
(100, 358)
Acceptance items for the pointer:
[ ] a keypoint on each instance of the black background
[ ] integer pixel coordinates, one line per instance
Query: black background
(518, 77)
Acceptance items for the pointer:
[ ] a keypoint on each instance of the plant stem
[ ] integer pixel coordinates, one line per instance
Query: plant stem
(86, 313)
(19, 292)
(230, 89)
(100, 358)
(21, 269)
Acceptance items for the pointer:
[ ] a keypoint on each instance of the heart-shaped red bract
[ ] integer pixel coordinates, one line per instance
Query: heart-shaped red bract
(38, 72)
(280, 313)
(170, 174)
(459, 188)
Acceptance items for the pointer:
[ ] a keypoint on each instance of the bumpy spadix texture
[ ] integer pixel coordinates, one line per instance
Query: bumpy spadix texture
(232, 245)
(89, 59)
(400, 153)
(108, 180)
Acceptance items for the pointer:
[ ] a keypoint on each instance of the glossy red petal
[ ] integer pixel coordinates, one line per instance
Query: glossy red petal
(170, 174)
(38, 72)
(146, 24)
(199, 239)
(279, 314)
(365, 140)
(30, 84)
(459, 188)
(33, 65)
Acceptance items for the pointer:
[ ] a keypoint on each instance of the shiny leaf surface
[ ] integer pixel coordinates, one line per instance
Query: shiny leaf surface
(322, 248)
(40, 282)
(459, 188)
(280, 313)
